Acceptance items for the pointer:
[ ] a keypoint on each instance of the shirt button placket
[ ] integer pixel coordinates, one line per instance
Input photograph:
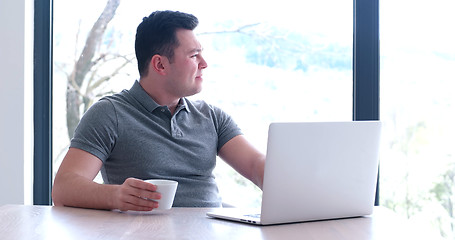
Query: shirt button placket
(175, 130)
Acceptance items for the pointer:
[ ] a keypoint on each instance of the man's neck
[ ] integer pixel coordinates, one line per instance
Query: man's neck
(159, 96)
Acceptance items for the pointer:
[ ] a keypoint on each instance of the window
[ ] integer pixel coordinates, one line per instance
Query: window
(286, 62)
(417, 106)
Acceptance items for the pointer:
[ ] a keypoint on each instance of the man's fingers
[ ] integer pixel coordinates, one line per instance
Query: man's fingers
(142, 202)
(137, 183)
(145, 193)
(138, 195)
(131, 202)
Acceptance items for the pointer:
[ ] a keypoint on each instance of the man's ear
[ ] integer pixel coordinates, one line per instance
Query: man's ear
(158, 63)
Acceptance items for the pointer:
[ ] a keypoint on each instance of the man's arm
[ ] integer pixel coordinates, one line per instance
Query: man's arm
(244, 158)
(74, 186)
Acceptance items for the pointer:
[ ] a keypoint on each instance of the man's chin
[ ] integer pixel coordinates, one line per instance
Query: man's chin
(196, 91)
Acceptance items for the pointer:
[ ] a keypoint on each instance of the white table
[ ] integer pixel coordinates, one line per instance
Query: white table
(46, 222)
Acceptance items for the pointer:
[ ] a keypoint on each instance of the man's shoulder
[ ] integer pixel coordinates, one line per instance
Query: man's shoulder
(118, 99)
(110, 103)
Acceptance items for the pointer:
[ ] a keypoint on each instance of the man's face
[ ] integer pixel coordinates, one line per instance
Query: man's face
(185, 71)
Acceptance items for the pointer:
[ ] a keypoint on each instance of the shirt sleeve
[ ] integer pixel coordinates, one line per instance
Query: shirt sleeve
(98, 130)
(226, 127)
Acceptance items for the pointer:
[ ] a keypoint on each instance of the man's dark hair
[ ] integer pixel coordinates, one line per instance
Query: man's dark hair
(156, 34)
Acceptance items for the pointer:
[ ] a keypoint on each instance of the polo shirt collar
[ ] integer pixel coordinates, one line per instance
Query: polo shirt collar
(183, 104)
(145, 100)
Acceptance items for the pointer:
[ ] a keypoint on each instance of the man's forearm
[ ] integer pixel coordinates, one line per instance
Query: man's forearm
(259, 171)
(74, 190)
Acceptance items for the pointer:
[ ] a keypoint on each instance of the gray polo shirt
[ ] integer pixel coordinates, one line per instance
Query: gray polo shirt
(136, 137)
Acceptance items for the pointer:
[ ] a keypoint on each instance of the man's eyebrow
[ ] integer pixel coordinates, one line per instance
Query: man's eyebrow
(196, 50)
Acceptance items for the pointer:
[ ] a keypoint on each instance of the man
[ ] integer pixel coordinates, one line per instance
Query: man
(153, 131)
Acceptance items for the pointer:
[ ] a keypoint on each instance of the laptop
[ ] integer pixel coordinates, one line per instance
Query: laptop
(315, 171)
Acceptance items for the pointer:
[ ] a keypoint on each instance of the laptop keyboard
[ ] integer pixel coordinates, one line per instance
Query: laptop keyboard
(257, 215)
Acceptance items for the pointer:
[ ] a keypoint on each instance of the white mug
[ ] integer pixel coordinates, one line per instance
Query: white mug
(167, 188)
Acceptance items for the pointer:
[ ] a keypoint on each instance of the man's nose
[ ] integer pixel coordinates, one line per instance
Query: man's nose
(202, 63)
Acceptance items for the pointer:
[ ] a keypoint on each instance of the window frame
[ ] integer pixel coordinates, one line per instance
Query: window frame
(42, 98)
(365, 84)
(365, 65)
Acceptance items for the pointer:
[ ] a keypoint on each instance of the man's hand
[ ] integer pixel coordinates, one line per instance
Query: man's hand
(136, 195)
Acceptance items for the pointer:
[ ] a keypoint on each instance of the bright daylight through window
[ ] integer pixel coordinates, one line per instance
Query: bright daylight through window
(417, 109)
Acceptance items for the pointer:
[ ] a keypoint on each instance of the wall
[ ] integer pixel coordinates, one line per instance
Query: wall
(16, 96)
